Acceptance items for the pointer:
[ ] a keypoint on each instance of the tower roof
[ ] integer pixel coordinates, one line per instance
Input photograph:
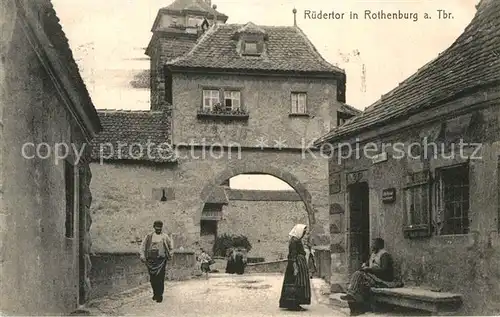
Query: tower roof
(469, 64)
(199, 7)
(287, 49)
(192, 5)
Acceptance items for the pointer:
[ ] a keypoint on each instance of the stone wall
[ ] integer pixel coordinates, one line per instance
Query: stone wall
(37, 259)
(120, 271)
(322, 258)
(463, 263)
(124, 207)
(267, 267)
(266, 224)
(116, 272)
(267, 99)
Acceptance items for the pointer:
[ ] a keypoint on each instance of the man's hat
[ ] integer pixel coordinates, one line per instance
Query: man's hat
(158, 224)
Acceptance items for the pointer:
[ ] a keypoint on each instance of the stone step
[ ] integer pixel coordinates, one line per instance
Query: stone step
(337, 302)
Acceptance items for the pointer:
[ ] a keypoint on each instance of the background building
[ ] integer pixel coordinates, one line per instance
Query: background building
(260, 94)
(433, 194)
(44, 202)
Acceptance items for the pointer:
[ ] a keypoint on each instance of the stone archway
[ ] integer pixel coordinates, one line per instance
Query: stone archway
(287, 177)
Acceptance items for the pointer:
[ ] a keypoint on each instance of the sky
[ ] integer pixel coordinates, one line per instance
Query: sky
(108, 39)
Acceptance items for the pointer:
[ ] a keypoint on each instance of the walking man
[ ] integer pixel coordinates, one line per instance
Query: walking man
(155, 252)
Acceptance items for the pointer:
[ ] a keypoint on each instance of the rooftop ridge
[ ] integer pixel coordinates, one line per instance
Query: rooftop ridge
(192, 5)
(427, 65)
(53, 30)
(351, 108)
(469, 64)
(106, 110)
(201, 40)
(251, 28)
(315, 51)
(287, 49)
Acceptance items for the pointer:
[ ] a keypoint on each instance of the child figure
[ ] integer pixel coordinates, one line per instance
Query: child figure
(205, 260)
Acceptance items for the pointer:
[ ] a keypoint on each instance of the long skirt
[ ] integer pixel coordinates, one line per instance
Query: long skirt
(205, 267)
(296, 290)
(359, 289)
(311, 263)
(239, 265)
(230, 265)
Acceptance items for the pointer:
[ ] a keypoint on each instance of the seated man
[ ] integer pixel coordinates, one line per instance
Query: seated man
(378, 272)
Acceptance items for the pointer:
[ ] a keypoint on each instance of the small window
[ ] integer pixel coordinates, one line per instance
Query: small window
(417, 205)
(69, 181)
(251, 48)
(210, 98)
(194, 21)
(452, 193)
(299, 101)
(232, 100)
(208, 228)
(163, 194)
(174, 21)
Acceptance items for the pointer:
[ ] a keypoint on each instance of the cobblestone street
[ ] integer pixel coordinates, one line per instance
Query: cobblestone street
(221, 295)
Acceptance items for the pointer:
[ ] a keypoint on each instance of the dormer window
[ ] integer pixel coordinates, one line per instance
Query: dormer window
(251, 39)
(251, 48)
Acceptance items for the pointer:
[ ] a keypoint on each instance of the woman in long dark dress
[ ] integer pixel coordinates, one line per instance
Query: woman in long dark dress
(230, 262)
(296, 288)
(239, 262)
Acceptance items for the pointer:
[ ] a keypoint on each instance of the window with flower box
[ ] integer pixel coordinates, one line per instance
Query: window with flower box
(232, 100)
(211, 97)
(222, 102)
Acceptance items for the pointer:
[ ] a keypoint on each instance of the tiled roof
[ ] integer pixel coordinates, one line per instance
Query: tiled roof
(54, 32)
(251, 28)
(173, 44)
(176, 47)
(471, 62)
(345, 108)
(141, 79)
(287, 49)
(133, 130)
(192, 5)
(218, 196)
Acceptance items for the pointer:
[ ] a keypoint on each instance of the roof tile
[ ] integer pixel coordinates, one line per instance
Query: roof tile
(287, 49)
(54, 32)
(193, 5)
(471, 62)
(127, 135)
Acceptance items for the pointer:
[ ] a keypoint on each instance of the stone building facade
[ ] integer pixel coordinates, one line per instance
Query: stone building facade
(227, 99)
(45, 201)
(429, 181)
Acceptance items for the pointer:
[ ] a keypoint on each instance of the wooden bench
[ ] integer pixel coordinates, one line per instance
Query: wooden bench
(437, 303)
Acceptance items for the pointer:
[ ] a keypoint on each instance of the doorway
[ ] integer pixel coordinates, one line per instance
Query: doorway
(359, 228)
